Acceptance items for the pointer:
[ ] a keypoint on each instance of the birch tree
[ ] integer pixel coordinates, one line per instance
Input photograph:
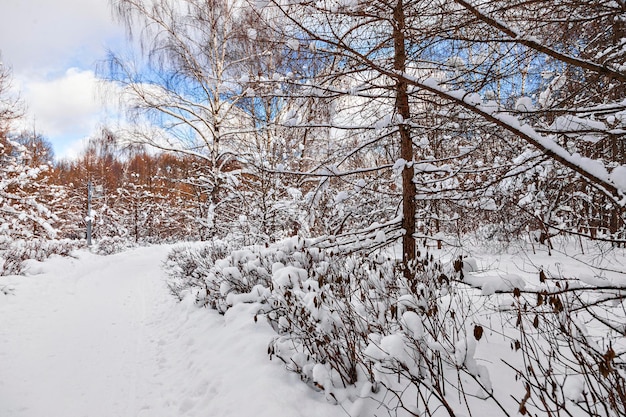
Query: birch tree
(185, 95)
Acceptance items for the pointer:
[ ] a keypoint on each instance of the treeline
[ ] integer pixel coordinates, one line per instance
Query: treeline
(136, 194)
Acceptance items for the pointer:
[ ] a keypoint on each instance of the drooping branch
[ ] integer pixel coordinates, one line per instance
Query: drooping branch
(526, 133)
(539, 47)
(503, 120)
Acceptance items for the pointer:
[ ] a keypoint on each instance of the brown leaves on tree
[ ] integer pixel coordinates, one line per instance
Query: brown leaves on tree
(478, 332)
(522, 404)
(542, 276)
(606, 364)
(556, 303)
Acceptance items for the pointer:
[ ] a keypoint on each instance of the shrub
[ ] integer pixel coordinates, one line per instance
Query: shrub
(13, 254)
(354, 327)
(111, 245)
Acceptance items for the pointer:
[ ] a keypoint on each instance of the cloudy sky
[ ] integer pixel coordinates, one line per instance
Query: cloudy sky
(53, 47)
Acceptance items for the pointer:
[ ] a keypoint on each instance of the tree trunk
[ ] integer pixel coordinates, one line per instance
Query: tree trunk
(406, 143)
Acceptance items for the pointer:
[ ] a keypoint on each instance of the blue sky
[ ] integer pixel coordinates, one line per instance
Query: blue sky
(53, 47)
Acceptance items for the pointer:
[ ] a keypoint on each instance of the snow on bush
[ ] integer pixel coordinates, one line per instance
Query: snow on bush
(111, 245)
(13, 254)
(25, 195)
(450, 338)
(330, 312)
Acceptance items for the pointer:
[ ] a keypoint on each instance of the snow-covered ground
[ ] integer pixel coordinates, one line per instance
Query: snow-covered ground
(97, 336)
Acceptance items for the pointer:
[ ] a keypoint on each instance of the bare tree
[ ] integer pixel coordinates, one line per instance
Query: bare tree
(185, 95)
(464, 73)
(10, 105)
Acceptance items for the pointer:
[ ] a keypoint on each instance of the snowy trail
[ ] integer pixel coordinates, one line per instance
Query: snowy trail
(102, 337)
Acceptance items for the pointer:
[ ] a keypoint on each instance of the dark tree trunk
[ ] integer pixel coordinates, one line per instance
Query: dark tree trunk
(406, 143)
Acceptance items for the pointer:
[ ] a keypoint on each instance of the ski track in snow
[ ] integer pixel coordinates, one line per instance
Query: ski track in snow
(102, 337)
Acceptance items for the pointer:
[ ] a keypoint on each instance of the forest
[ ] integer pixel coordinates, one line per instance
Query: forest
(343, 164)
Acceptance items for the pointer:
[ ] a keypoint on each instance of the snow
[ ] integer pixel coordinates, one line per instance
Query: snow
(341, 197)
(383, 123)
(394, 346)
(412, 322)
(360, 184)
(545, 97)
(618, 177)
(474, 99)
(374, 350)
(570, 123)
(524, 104)
(321, 374)
(491, 283)
(288, 277)
(293, 44)
(103, 337)
(574, 388)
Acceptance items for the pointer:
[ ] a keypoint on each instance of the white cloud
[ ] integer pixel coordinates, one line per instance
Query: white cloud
(66, 109)
(53, 47)
(68, 102)
(40, 35)
(73, 149)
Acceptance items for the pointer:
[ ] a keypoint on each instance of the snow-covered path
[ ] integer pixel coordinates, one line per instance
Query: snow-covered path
(102, 337)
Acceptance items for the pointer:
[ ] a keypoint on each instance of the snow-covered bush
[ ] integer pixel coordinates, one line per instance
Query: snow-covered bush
(358, 329)
(111, 245)
(189, 267)
(342, 321)
(25, 196)
(445, 340)
(222, 276)
(14, 253)
(571, 335)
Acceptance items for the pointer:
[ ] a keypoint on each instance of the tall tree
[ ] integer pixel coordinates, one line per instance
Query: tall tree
(38, 147)
(11, 107)
(459, 79)
(24, 196)
(189, 89)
